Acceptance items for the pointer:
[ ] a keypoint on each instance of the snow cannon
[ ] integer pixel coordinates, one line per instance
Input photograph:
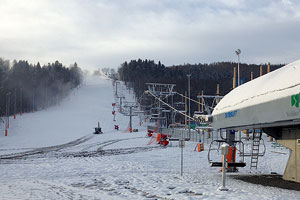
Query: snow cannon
(164, 140)
(163, 136)
(98, 129)
(150, 133)
(270, 103)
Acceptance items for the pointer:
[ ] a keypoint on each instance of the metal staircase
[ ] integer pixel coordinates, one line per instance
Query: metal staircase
(255, 149)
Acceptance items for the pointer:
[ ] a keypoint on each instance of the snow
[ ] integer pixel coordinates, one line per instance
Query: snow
(262, 102)
(52, 154)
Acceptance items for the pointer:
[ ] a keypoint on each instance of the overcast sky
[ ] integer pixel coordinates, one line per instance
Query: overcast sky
(105, 33)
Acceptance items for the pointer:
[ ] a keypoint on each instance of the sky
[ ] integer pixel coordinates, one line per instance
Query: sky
(106, 33)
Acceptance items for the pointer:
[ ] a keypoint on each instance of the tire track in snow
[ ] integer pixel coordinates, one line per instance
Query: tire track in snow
(54, 150)
(43, 150)
(117, 188)
(106, 143)
(111, 152)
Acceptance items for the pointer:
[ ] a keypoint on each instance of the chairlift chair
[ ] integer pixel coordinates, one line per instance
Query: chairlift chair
(230, 164)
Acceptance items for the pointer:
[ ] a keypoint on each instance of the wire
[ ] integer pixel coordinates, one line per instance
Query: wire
(193, 100)
(147, 91)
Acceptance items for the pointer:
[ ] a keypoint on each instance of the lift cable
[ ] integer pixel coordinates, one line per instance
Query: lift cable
(148, 92)
(194, 100)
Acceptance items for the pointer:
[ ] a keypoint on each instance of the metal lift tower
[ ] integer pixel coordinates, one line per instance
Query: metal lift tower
(130, 105)
(162, 91)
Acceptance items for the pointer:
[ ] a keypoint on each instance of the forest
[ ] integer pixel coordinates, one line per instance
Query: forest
(26, 87)
(203, 76)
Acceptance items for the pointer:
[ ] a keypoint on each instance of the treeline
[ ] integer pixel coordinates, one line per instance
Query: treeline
(26, 87)
(203, 76)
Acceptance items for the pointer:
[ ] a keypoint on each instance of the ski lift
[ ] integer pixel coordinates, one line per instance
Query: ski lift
(231, 162)
(259, 140)
(231, 157)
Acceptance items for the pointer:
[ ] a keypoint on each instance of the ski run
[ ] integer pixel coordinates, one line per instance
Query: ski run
(53, 154)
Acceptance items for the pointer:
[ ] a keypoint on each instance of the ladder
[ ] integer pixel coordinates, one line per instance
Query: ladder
(255, 149)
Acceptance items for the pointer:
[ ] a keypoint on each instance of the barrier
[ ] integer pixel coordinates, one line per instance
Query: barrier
(177, 133)
(200, 147)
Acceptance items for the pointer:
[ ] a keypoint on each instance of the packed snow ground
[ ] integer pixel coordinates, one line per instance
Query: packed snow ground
(53, 154)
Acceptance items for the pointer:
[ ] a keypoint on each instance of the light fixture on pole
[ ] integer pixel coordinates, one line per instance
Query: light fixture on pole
(189, 89)
(238, 52)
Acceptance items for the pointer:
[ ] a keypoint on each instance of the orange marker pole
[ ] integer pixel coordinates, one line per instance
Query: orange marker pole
(158, 138)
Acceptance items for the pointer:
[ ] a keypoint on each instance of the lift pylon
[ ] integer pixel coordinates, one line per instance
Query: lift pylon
(130, 105)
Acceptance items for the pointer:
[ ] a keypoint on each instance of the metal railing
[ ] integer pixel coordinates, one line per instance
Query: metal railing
(178, 133)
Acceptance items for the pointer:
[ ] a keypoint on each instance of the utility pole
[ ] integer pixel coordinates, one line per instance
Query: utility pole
(202, 99)
(15, 104)
(21, 95)
(130, 119)
(234, 78)
(181, 145)
(199, 103)
(238, 52)
(172, 111)
(116, 94)
(218, 93)
(185, 118)
(7, 112)
(268, 71)
(189, 89)
(8, 109)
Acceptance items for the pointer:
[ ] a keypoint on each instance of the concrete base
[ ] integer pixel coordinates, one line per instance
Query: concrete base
(291, 140)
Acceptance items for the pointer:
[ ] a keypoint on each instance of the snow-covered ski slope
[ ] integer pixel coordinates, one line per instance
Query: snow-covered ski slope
(52, 154)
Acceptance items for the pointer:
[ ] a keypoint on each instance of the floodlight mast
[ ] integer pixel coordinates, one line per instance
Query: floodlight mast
(189, 89)
(238, 52)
